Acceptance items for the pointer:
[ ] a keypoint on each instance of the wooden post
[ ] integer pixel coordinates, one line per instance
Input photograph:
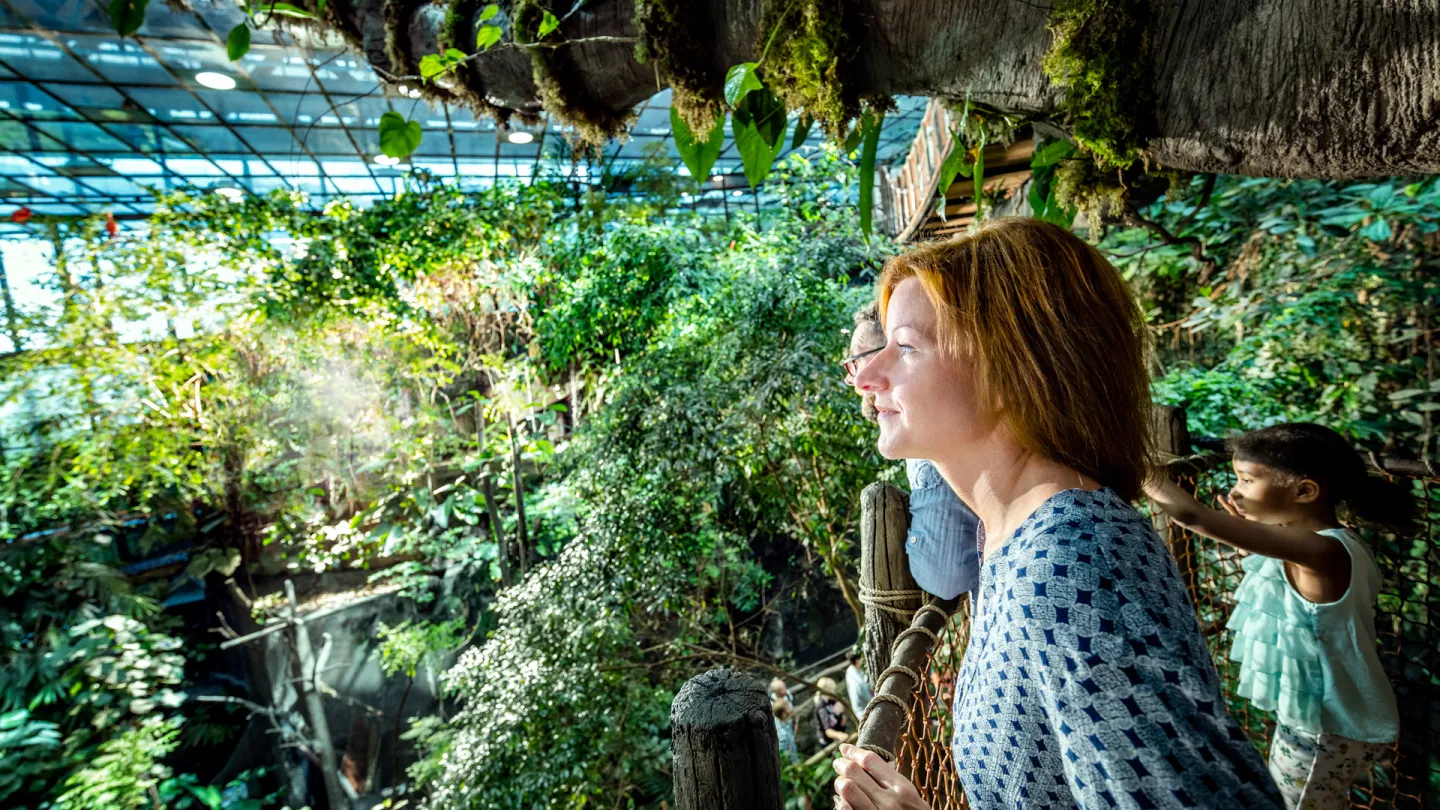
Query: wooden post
(727, 756)
(1172, 440)
(884, 574)
(315, 707)
(894, 694)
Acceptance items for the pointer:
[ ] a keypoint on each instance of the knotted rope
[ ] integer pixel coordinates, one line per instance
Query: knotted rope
(887, 601)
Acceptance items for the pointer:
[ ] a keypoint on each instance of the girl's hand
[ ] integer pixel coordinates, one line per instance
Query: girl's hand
(867, 782)
(1228, 504)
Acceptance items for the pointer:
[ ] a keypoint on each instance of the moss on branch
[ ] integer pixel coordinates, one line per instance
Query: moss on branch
(562, 93)
(1101, 59)
(808, 59)
(669, 41)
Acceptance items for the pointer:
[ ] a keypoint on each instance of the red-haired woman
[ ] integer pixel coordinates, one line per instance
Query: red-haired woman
(1015, 360)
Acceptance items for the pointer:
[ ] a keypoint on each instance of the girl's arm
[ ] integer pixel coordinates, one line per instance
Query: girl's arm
(1325, 556)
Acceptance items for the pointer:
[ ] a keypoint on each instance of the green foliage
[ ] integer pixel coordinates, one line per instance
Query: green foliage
(759, 127)
(398, 136)
(699, 156)
(408, 646)
(716, 477)
(739, 81)
(126, 768)
(1320, 309)
(126, 16)
(870, 124)
(436, 65)
(237, 43)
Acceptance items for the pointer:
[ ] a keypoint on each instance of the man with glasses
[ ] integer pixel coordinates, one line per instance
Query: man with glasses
(942, 542)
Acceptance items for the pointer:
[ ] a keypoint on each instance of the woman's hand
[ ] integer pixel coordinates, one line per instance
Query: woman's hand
(867, 782)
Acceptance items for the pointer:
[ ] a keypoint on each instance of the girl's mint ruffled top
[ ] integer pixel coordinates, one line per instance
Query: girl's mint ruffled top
(1276, 645)
(1314, 665)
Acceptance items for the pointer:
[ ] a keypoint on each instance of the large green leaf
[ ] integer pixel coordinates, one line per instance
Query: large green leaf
(238, 43)
(802, 130)
(1050, 153)
(699, 156)
(739, 81)
(487, 36)
(438, 64)
(399, 137)
(954, 165)
(870, 123)
(759, 126)
(127, 15)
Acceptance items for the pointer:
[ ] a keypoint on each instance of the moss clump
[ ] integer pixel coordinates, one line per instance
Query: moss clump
(455, 28)
(593, 121)
(396, 14)
(457, 31)
(1101, 58)
(807, 61)
(670, 41)
(1083, 185)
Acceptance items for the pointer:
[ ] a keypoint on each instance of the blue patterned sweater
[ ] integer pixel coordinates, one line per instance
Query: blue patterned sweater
(1087, 683)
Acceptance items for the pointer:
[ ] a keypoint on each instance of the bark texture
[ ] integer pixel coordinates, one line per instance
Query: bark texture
(1289, 88)
(884, 568)
(726, 754)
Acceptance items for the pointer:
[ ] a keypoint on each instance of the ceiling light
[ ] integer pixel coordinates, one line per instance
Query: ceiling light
(230, 193)
(520, 136)
(215, 81)
(386, 160)
(717, 178)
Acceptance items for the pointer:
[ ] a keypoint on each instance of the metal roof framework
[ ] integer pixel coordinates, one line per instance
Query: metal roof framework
(89, 121)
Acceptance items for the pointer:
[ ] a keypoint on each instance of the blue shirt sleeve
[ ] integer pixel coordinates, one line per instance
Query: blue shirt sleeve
(940, 546)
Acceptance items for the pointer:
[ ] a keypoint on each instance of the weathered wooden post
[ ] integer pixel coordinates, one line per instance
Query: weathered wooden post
(727, 756)
(1172, 442)
(887, 590)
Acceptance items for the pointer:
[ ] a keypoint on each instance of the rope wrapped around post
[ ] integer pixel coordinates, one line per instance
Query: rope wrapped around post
(888, 715)
(887, 590)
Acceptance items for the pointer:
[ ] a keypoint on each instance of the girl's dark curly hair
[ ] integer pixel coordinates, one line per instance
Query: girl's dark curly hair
(1308, 450)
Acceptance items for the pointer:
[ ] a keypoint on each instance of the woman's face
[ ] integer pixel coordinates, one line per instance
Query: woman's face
(926, 401)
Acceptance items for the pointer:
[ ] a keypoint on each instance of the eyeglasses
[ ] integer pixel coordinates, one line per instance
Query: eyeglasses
(855, 362)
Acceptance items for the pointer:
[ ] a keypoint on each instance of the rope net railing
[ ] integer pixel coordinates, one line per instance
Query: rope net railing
(1408, 623)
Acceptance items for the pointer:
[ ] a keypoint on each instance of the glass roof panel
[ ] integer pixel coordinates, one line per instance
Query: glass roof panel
(70, 15)
(211, 138)
(271, 141)
(242, 165)
(28, 101)
(122, 63)
(328, 141)
(39, 59)
(186, 58)
(236, 106)
(117, 186)
(17, 135)
(148, 138)
(97, 102)
(353, 185)
(344, 75)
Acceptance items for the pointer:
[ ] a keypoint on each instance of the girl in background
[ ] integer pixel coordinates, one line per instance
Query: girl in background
(1304, 618)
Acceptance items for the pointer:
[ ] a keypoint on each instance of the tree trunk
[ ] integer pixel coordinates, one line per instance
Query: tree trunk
(1286, 88)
